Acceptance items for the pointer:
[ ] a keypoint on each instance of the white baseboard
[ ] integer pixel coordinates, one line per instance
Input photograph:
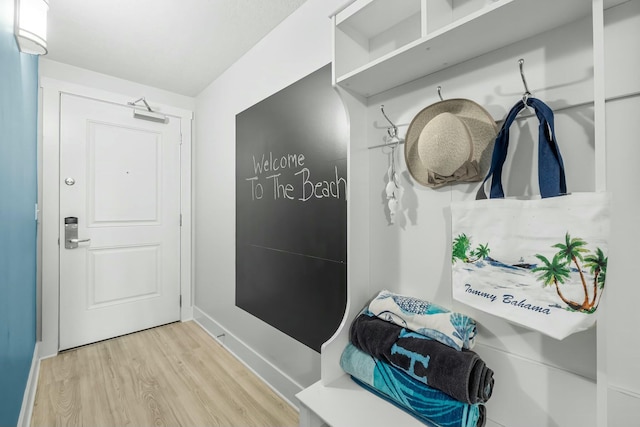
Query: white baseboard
(24, 420)
(278, 381)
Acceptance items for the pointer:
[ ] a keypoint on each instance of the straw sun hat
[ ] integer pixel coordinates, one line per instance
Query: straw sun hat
(449, 141)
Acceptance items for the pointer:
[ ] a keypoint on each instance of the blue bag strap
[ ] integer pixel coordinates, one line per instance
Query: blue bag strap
(551, 176)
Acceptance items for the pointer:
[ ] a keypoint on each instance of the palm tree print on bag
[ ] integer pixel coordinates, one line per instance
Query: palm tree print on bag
(555, 272)
(461, 249)
(597, 264)
(572, 265)
(571, 252)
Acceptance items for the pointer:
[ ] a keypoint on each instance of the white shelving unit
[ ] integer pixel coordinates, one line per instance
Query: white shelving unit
(380, 45)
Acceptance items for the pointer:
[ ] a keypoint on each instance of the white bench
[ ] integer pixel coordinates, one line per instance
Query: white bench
(343, 403)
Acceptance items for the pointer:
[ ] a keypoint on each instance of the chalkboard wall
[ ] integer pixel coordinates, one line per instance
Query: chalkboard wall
(291, 209)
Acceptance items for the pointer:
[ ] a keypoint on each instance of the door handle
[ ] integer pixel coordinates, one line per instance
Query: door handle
(78, 240)
(71, 233)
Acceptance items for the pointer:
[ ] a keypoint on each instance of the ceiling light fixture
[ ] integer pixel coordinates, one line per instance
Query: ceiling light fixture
(31, 26)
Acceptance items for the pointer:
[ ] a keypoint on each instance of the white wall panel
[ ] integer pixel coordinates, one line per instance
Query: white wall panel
(296, 48)
(530, 394)
(622, 409)
(623, 356)
(622, 42)
(622, 45)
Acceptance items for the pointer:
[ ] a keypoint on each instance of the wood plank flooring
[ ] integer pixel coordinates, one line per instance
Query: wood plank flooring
(173, 375)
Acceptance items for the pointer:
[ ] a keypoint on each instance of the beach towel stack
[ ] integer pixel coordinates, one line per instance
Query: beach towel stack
(418, 356)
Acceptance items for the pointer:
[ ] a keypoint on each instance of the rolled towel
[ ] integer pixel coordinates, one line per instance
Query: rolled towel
(453, 329)
(463, 375)
(427, 404)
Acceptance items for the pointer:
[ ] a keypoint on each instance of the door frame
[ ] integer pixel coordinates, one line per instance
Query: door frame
(49, 202)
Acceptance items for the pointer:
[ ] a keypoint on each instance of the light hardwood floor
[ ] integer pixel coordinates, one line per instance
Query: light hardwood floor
(173, 375)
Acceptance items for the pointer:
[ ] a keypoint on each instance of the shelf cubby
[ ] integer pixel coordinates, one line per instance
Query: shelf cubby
(380, 45)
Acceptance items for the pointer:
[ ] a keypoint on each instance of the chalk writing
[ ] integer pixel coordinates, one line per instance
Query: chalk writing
(256, 189)
(290, 179)
(281, 190)
(268, 164)
(321, 189)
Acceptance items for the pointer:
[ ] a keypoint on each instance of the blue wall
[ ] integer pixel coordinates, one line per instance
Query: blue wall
(18, 195)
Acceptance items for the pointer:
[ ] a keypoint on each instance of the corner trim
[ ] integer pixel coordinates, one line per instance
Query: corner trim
(24, 420)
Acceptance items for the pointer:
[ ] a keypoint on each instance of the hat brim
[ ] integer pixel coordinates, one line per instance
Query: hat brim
(481, 126)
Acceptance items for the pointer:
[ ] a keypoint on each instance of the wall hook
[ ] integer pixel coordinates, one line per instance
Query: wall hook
(526, 95)
(393, 130)
(439, 88)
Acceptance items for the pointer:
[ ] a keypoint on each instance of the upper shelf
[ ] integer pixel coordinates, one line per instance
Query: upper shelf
(412, 43)
(365, 18)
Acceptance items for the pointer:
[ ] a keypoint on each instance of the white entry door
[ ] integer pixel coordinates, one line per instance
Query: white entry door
(120, 177)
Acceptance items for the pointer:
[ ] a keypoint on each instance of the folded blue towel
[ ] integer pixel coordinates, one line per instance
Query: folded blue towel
(453, 329)
(463, 375)
(422, 401)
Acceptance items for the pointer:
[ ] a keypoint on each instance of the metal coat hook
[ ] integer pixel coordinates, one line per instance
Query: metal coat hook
(393, 189)
(394, 142)
(393, 130)
(439, 88)
(526, 94)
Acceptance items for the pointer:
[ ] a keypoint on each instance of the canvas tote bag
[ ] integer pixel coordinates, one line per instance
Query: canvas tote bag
(539, 262)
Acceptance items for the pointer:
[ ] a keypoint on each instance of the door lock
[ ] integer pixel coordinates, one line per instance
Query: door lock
(71, 233)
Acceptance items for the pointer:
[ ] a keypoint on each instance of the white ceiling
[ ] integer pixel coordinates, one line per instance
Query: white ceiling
(177, 45)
